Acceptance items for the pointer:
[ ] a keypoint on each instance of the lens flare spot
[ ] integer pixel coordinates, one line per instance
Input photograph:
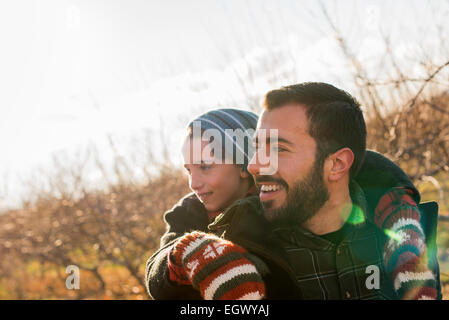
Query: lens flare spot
(357, 216)
(393, 235)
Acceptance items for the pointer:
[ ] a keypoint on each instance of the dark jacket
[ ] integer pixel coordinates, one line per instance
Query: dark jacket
(242, 223)
(187, 215)
(376, 177)
(305, 266)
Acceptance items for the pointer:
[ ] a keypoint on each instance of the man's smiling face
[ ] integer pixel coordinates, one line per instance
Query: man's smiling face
(297, 190)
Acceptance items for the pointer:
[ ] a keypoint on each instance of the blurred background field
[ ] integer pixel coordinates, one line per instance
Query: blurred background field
(108, 235)
(99, 204)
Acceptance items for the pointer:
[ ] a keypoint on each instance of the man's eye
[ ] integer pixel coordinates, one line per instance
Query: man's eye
(279, 149)
(256, 146)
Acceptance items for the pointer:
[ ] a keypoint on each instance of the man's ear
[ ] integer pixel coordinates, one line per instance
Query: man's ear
(243, 173)
(340, 163)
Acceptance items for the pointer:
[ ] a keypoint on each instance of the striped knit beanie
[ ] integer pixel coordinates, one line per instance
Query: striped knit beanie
(236, 128)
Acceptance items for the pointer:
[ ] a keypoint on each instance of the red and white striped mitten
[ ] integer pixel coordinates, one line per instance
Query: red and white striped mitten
(219, 269)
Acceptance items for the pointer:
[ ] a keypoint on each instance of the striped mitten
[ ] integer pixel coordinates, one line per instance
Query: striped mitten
(219, 269)
(405, 255)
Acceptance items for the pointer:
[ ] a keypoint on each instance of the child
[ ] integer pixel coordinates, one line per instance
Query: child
(216, 186)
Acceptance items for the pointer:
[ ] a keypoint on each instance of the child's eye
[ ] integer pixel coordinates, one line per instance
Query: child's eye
(205, 167)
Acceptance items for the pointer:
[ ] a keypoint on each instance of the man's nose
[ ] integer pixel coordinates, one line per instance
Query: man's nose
(254, 165)
(263, 162)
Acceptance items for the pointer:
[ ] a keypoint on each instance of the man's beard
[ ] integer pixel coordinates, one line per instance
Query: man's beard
(303, 201)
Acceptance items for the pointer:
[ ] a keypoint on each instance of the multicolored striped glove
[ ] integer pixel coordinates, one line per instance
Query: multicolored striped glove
(405, 255)
(219, 269)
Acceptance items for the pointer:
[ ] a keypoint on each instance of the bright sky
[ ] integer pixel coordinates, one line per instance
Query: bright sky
(74, 71)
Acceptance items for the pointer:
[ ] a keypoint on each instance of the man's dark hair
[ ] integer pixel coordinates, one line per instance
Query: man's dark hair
(335, 118)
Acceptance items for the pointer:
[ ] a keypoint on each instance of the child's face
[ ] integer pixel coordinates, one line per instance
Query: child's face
(217, 185)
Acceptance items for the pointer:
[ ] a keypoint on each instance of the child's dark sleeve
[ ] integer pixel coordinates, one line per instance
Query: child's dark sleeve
(187, 215)
(157, 279)
(378, 175)
(404, 254)
(392, 200)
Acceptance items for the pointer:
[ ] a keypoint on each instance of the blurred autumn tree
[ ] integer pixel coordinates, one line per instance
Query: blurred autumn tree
(108, 234)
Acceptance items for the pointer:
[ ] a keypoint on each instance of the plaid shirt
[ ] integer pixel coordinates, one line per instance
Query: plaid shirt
(325, 270)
